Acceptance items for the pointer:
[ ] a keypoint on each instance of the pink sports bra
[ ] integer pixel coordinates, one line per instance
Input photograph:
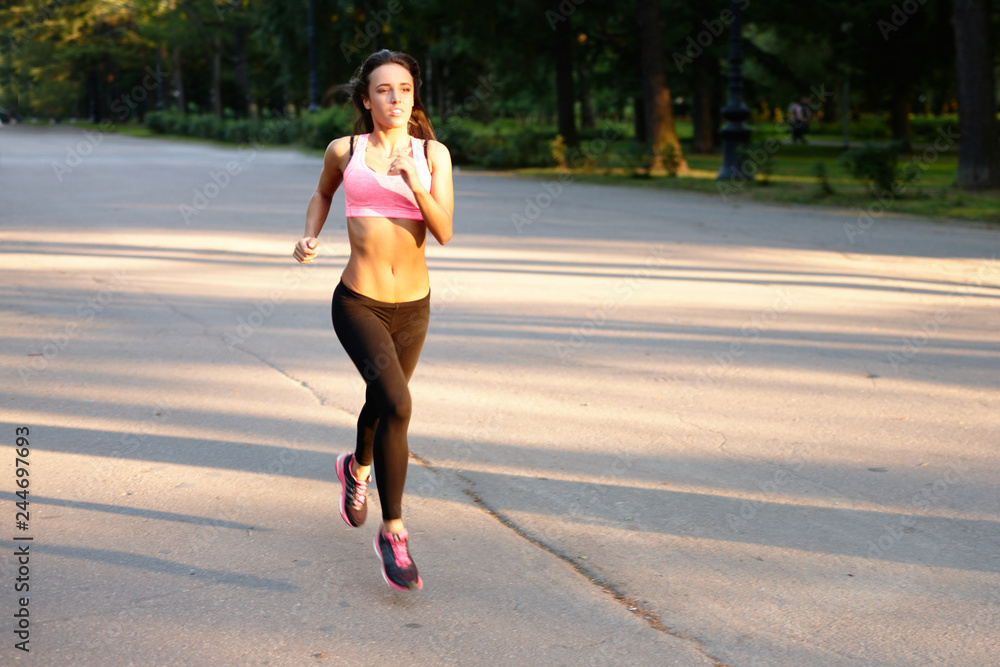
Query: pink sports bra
(370, 194)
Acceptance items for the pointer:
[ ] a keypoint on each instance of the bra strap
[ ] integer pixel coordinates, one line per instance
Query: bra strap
(352, 146)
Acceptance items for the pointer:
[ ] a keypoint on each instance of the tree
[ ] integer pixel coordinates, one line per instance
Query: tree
(565, 97)
(655, 92)
(979, 153)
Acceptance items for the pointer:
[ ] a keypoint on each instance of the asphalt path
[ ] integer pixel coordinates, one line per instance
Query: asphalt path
(650, 428)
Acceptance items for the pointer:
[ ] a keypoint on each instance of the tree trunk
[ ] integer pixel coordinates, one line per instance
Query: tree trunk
(705, 102)
(655, 92)
(704, 116)
(565, 97)
(588, 119)
(899, 116)
(978, 154)
(217, 79)
(242, 77)
(179, 82)
(639, 118)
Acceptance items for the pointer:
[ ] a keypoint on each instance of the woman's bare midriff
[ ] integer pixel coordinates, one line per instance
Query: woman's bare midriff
(387, 259)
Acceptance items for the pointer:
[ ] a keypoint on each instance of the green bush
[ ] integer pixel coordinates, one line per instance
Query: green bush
(877, 166)
(156, 121)
(871, 126)
(671, 157)
(457, 136)
(319, 128)
(242, 130)
(925, 129)
(868, 126)
(500, 144)
(823, 184)
(206, 126)
(497, 144)
(558, 147)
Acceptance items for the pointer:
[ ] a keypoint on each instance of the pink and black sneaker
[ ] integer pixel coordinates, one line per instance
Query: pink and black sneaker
(353, 494)
(397, 569)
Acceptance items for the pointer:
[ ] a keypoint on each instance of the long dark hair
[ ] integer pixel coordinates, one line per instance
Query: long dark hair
(420, 124)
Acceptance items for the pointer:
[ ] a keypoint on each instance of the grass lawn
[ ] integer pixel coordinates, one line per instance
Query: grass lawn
(792, 180)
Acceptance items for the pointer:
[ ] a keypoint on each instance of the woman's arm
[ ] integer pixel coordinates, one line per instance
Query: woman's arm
(319, 204)
(438, 205)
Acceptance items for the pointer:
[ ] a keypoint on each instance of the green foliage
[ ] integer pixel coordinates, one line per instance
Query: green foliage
(875, 166)
(207, 127)
(497, 145)
(819, 171)
(629, 158)
(671, 157)
(755, 158)
(924, 129)
(928, 128)
(878, 167)
(321, 127)
(269, 130)
(558, 146)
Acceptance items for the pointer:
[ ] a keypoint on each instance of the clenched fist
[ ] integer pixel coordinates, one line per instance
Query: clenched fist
(305, 249)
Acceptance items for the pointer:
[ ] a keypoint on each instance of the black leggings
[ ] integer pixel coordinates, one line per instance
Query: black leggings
(384, 342)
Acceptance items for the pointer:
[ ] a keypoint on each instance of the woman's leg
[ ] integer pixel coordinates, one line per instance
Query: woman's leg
(384, 342)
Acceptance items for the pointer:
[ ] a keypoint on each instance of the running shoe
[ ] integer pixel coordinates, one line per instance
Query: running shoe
(353, 494)
(397, 569)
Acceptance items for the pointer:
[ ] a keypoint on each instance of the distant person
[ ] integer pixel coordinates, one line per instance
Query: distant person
(799, 114)
(398, 188)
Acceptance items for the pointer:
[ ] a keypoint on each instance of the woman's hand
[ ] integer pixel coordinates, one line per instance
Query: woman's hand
(305, 249)
(403, 165)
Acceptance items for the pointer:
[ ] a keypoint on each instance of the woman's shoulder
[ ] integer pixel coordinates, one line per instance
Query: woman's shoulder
(436, 148)
(343, 144)
(338, 152)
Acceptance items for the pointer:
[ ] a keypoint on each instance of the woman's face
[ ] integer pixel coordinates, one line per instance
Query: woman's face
(390, 95)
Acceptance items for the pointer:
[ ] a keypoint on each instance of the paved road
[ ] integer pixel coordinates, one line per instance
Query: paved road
(650, 428)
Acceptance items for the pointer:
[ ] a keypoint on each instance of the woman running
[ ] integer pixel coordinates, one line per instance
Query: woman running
(397, 183)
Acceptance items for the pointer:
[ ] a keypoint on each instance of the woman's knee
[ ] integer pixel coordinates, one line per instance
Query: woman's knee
(398, 406)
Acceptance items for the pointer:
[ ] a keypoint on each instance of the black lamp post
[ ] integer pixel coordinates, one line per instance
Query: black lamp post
(735, 112)
(313, 87)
